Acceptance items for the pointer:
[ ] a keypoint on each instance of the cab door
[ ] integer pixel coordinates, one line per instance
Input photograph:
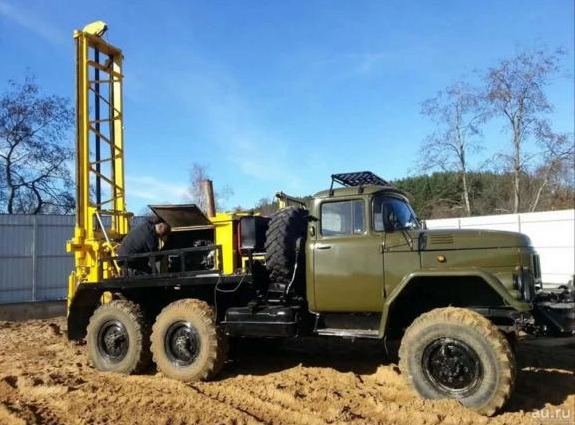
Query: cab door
(395, 219)
(347, 259)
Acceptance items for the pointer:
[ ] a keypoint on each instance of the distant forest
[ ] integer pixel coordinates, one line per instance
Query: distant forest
(439, 195)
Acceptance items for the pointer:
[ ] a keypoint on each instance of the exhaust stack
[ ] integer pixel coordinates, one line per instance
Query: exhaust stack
(208, 190)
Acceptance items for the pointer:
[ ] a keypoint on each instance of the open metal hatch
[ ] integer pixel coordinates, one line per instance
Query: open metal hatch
(182, 216)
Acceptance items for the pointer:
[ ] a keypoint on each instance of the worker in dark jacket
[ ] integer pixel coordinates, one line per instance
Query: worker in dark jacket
(142, 239)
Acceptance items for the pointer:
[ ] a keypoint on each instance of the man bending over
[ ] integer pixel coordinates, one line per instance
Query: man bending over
(142, 239)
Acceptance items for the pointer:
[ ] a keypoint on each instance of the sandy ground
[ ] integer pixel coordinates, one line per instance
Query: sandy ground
(44, 379)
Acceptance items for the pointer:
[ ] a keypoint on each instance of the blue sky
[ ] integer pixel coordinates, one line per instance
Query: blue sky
(277, 95)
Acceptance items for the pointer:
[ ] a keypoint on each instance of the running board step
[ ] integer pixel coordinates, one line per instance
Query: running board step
(349, 333)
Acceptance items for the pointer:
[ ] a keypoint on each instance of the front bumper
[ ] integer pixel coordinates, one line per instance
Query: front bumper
(551, 314)
(555, 310)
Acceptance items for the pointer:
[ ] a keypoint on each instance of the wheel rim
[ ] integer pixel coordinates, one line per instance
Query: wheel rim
(452, 367)
(113, 341)
(182, 343)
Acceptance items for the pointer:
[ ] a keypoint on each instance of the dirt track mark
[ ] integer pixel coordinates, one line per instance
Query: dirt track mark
(44, 379)
(25, 397)
(258, 406)
(242, 410)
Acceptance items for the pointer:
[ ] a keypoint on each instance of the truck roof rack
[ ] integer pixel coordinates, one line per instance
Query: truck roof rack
(359, 179)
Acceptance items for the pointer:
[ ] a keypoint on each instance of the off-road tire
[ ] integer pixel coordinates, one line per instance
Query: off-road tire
(468, 328)
(285, 228)
(193, 320)
(131, 351)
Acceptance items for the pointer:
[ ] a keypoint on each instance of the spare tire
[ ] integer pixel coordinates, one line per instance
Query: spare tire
(285, 228)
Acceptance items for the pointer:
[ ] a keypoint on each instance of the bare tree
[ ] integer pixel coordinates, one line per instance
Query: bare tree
(458, 114)
(196, 194)
(515, 90)
(266, 206)
(558, 157)
(35, 151)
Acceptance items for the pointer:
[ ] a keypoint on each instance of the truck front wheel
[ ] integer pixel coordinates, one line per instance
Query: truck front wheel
(186, 344)
(118, 338)
(457, 353)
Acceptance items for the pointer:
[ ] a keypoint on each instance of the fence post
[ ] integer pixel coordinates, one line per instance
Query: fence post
(34, 255)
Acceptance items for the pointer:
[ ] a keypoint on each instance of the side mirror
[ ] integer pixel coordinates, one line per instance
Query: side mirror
(421, 241)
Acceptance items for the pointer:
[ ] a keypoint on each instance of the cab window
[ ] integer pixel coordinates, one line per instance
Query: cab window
(390, 213)
(342, 218)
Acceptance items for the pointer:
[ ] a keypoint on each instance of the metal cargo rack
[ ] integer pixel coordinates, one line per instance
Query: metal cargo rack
(357, 179)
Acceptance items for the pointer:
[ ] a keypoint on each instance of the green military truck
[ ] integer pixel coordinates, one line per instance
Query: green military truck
(355, 263)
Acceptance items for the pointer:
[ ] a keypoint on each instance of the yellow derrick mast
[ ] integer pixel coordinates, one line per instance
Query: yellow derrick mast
(101, 216)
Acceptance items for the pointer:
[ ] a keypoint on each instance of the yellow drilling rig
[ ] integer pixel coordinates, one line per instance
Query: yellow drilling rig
(205, 255)
(102, 219)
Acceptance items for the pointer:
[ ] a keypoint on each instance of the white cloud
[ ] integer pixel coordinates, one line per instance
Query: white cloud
(367, 63)
(252, 148)
(33, 23)
(362, 64)
(376, 62)
(151, 189)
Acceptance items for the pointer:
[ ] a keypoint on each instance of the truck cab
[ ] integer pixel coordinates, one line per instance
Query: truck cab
(366, 246)
(345, 249)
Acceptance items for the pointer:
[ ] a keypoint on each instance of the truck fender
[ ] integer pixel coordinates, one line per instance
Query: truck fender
(489, 279)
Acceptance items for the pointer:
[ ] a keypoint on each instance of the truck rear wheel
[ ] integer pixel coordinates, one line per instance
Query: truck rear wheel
(285, 228)
(118, 338)
(186, 344)
(457, 353)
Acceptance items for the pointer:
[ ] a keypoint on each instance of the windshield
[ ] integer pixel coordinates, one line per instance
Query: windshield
(391, 213)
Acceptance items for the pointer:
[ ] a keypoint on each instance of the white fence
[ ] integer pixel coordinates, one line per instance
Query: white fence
(34, 264)
(552, 234)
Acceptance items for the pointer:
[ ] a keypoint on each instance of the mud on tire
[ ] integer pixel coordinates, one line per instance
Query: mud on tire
(285, 228)
(186, 343)
(457, 353)
(118, 338)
